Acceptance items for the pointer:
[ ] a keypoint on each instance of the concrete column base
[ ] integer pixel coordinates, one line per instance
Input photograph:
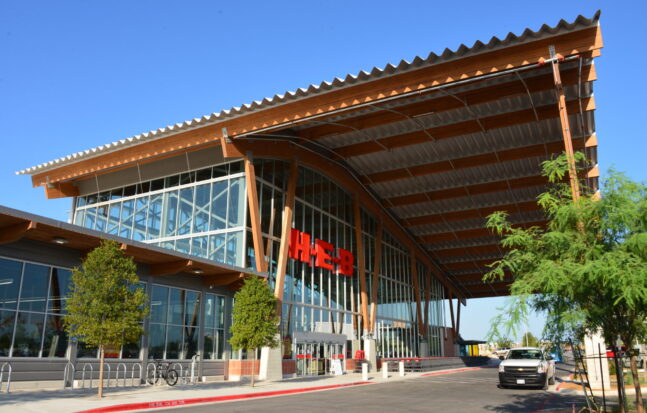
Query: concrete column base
(370, 352)
(271, 366)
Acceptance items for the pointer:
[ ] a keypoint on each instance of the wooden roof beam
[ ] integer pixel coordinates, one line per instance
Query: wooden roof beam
(169, 268)
(463, 128)
(489, 158)
(445, 103)
(222, 279)
(15, 232)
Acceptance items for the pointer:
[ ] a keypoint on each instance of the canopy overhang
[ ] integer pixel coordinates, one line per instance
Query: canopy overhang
(440, 142)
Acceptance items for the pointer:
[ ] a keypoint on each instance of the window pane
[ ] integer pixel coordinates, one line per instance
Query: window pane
(190, 346)
(90, 217)
(169, 225)
(155, 216)
(209, 344)
(218, 205)
(113, 218)
(6, 331)
(210, 311)
(33, 295)
(199, 246)
(217, 247)
(220, 344)
(9, 282)
(59, 289)
(192, 309)
(55, 341)
(127, 212)
(236, 202)
(174, 342)
(159, 304)
(139, 232)
(183, 245)
(156, 340)
(176, 306)
(234, 247)
(186, 211)
(29, 330)
(201, 216)
(220, 312)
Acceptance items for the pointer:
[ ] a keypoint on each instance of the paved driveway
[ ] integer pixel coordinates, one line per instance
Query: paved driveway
(470, 391)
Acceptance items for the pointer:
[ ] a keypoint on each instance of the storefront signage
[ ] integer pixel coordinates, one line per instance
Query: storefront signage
(302, 249)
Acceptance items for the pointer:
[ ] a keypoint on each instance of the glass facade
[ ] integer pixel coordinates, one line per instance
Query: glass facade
(199, 213)
(31, 308)
(204, 213)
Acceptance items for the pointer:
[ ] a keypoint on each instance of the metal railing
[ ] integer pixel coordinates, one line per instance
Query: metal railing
(9, 370)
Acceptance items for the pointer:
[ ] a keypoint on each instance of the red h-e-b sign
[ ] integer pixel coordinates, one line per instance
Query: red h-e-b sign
(302, 249)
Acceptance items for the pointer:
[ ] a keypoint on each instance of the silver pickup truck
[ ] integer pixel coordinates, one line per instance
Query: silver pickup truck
(527, 366)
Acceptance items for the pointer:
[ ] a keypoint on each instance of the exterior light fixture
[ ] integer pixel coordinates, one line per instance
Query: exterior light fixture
(197, 271)
(59, 241)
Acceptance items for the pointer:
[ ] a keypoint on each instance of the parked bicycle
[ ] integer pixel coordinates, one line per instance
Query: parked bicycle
(162, 370)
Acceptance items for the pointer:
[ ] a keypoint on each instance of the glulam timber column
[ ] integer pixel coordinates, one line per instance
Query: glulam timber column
(370, 347)
(271, 367)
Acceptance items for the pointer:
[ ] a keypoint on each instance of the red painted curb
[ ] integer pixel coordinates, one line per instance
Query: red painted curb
(186, 402)
(438, 373)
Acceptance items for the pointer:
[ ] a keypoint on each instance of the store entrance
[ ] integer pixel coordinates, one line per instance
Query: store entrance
(317, 359)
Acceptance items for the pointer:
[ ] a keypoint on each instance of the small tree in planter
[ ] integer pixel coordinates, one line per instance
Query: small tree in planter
(105, 308)
(255, 322)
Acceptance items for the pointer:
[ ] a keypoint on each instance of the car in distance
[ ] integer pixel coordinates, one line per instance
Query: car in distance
(502, 352)
(527, 366)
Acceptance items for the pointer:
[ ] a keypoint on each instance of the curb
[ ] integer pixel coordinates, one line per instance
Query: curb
(438, 373)
(215, 399)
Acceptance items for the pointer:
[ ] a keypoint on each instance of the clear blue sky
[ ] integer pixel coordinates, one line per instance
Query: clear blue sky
(75, 75)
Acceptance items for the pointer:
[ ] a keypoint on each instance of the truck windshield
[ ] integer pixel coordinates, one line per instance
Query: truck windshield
(525, 354)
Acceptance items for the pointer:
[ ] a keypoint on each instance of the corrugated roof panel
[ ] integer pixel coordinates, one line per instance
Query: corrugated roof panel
(466, 203)
(462, 51)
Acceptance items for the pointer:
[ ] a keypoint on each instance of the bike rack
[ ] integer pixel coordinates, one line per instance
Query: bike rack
(109, 374)
(117, 374)
(9, 370)
(83, 375)
(132, 376)
(180, 372)
(148, 366)
(66, 375)
(194, 362)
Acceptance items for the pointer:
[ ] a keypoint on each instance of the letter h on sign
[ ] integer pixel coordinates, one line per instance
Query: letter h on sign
(301, 249)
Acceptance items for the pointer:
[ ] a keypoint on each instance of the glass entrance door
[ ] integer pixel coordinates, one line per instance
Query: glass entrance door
(315, 359)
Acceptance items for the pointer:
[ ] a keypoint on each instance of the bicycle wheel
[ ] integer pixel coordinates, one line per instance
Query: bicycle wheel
(152, 377)
(171, 377)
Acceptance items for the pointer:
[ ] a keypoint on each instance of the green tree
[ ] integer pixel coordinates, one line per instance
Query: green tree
(529, 340)
(105, 308)
(255, 323)
(590, 260)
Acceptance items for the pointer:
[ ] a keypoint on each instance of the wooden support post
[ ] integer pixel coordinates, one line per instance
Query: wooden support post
(427, 299)
(286, 228)
(416, 290)
(359, 240)
(377, 265)
(566, 130)
(254, 213)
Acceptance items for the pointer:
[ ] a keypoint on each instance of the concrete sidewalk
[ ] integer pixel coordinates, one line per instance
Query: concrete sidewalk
(146, 397)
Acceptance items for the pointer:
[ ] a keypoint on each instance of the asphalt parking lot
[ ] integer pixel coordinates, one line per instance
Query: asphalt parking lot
(469, 391)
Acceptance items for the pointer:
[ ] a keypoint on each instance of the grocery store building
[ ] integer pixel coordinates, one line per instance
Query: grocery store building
(362, 201)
